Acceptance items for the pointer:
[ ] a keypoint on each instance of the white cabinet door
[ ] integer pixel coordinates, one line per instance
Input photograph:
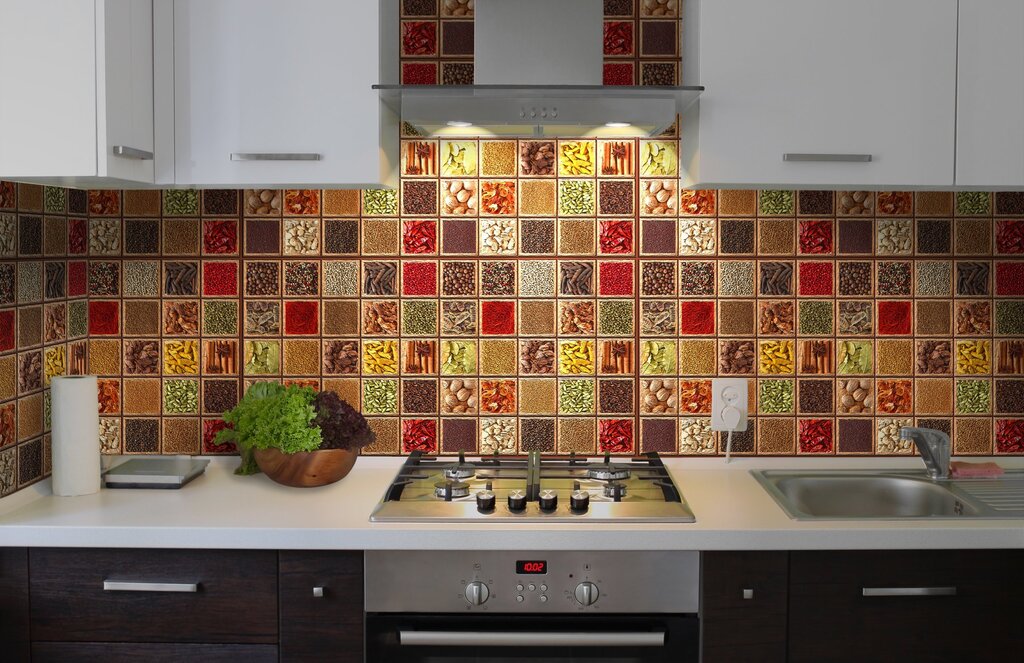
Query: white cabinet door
(81, 82)
(990, 94)
(820, 78)
(126, 84)
(48, 107)
(276, 93)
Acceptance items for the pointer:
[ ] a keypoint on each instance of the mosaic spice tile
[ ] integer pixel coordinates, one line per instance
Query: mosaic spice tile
(181, 202)
(301, 318)
(180, 236)
(855, 436)
(658, 237)
(104, 318)
(737, 236)
(973, 437)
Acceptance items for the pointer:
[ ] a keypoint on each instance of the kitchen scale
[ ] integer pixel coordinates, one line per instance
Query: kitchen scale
(164, 473)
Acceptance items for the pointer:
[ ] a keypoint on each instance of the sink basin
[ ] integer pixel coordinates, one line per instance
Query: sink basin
(864, 496)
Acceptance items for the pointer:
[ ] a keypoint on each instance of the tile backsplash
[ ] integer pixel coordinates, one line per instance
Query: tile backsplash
(520, 295)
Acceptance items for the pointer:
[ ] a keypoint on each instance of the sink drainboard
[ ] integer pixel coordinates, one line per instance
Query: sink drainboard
(1002, 495)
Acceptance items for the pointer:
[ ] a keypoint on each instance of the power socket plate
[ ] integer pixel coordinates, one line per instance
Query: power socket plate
(737, 389)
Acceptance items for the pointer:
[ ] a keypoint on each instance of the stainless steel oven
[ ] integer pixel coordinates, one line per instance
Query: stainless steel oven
(553, 607)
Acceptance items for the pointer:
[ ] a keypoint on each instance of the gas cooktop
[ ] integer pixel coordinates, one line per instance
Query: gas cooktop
(533, 489)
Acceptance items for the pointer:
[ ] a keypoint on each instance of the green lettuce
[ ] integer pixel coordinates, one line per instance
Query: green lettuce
(271, 416)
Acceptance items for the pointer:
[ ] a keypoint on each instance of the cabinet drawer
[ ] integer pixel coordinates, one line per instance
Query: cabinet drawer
(104, 652)
(207, 596)
(743, 606)
(321, 606)
(928, 605)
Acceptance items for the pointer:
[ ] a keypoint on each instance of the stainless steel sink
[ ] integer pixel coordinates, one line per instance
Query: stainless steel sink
(848, 495)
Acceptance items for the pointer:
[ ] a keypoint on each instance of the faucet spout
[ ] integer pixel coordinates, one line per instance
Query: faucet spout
(934, 447)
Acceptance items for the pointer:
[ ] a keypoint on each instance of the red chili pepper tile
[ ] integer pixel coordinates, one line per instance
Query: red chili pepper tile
(1010, 278)
(6, 330)
(497, 318)
(78, 278)
(615, 436)
(104, 202)
(78, 236)
(104, 319)
(301, 318)
(616, 279)
(696, 318)
(895, 318)
(419, 237)
(816, 436)
(220, 279)
(210, 429)
(419, 278)
(419, 38)
(1010, 436)
(419, 435)
(815, 279)
(618, 38)
(616, 237)
(816, 237)
(220, 237)
(1010, 236)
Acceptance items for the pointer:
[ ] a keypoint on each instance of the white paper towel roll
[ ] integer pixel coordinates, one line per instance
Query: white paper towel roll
(76, 435)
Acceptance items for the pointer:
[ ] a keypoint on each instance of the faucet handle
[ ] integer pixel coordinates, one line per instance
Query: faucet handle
(934, 446)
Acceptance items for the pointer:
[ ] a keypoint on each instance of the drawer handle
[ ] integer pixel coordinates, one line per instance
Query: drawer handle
(748, 594)
(318, 592)
(826, 157)
(275, 156)
(532, 638)
(908, 591)
(132, 153)
(176, 587)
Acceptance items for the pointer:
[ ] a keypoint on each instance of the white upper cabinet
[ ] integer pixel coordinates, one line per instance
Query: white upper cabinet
(78, 75)
(822, 93)
(990, 94)
(279, 93)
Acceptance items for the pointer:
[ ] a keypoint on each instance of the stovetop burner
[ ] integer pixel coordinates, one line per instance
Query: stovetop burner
(460, 471)
(451, 489)
(533, 488)
(608, 473)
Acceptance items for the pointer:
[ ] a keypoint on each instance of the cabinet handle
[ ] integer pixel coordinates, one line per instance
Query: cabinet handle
(748, 594)
(132, 153)
(825, 157)
(318, 592)
(908, 591)
(275, 156)
(177, 587)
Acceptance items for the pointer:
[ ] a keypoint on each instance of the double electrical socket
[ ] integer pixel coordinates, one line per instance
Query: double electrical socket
(727, 392)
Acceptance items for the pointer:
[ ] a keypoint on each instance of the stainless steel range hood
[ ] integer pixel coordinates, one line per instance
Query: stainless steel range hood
(538, 71)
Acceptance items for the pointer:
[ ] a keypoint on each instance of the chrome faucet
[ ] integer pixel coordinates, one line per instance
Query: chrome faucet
(934, 447)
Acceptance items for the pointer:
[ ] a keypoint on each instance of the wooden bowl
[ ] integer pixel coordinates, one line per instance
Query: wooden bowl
(306, 469)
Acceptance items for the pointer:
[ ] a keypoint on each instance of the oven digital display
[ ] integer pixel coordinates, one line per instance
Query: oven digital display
(531, 567)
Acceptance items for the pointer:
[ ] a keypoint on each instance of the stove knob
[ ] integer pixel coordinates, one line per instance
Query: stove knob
(579, 501)
(586, 593)
(517, 501)
(548, 501)
(485, 501)
(477, 593)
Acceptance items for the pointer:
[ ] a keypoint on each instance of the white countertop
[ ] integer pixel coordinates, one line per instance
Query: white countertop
(221, 510)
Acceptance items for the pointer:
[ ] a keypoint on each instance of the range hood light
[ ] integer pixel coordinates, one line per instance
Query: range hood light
(616, 125)
(459, 124)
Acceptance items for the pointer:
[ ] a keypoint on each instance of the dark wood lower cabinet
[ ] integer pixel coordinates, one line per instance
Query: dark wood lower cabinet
(14, 624)
(321, 599)
(970, 608)
(743, 607)
(108, 652)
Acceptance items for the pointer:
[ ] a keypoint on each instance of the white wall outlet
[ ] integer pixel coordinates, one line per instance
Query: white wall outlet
(728, 392)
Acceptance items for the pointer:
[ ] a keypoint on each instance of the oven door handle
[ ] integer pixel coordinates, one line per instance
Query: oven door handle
(530, 639)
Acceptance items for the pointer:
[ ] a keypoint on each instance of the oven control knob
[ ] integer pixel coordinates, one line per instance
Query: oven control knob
(548, 500)
(517, 501)
(485, 501)
(477, 593)
(579, 501)
(586, 593)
